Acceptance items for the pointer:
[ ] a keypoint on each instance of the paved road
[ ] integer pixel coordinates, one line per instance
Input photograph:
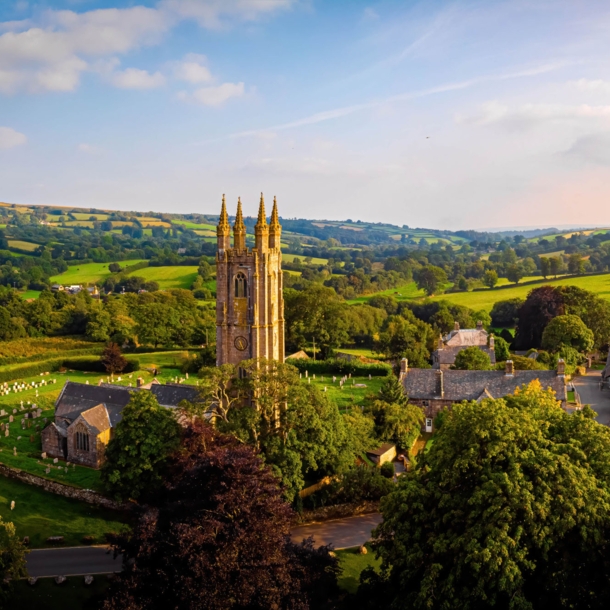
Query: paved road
(341, 533)
(590, 394)
(77, 561)
(73, 561)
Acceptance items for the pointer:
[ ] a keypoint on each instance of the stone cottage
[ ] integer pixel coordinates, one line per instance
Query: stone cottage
(437, 389)
(458, 339)
(85, 417)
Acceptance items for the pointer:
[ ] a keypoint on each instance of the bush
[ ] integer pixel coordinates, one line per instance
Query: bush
(387, 470)
(92, 365)
(341, 367)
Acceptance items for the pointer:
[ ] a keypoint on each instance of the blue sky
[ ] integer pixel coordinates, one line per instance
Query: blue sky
(431, 114)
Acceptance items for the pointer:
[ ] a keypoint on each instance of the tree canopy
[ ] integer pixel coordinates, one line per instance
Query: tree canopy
(510, 508)
(472, 359)
(217, 538)
(568, 331)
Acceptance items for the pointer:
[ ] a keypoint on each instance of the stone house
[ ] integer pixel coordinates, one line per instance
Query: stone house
(458, 339)
(86, 415)
(437, 389)
(383, 454)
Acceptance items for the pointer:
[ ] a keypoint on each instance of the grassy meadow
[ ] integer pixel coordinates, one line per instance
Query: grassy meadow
(347, 396)
(169, 277)
(40, 514)
(22, 245)
(88, 273)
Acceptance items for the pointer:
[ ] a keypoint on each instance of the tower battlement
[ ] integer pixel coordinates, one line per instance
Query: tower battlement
(249, 289)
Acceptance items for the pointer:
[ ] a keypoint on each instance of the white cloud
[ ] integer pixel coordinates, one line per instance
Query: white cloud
(213, 96)
(133, 78)
(192, 69)
(211, 13)
(9, 138)
(531, 115)
(592, 85)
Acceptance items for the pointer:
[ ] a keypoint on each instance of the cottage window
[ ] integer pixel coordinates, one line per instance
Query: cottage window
(241, 285)
(82, 440)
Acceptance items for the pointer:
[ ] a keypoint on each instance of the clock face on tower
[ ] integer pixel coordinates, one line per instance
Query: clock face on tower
(241, 343)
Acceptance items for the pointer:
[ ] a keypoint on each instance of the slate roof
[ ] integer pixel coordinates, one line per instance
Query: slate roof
(97, 418)
(381, 450)
(466, 337)
(77, 398)
(423, 384)
(448, 353)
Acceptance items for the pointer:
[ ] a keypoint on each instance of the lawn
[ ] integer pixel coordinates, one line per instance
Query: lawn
(22, 245)
(40, 514)
(187, 224)
(347, 396)
(30, 294)
(169, 277)
(73, 594)
(352, 564)
(87, 273)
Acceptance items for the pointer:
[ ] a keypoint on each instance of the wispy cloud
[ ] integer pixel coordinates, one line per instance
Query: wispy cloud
(336, 113)
(213, 96)
(133, 78)
(602, 86)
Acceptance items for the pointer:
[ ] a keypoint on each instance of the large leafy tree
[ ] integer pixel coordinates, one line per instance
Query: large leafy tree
(404, 336)
(568, 331)
(510, 508)
(431, 279)
(540, 307)
(12, 558)
(138, 452)
(472, 359)
(113, 359)
(219, 539)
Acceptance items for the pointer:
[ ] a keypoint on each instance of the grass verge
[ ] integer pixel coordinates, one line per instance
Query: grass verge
(352, 564)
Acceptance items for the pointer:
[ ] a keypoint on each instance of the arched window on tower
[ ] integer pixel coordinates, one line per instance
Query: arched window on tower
(241, 285)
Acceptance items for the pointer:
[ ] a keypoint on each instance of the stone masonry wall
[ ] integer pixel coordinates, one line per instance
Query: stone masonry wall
(76, 493)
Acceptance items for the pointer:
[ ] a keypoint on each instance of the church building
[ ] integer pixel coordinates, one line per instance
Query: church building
(249, 289)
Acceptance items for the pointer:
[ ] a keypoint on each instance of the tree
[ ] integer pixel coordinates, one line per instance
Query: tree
(501, 349)
(112, 359)
(540, 307)
(219, 538)
(490, 279)
(408, 337)
(593, 310)
(576, 264)
(472, 359)
(524, 486)
(505, 313)
(515, 273)
(392, 392)
(430, 279)
(567, 331)
(545, 267)
(556, 265)
(12, 557)
(400, 424)
(138, 452)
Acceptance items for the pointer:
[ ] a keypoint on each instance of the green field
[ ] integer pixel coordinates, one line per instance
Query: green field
(39, 514)
(169, 277)
(87, 273)
(30, 294)
(193, 225)
(406, 292)
(289, 258)
(485, 299)
(22, 245)
(86, 216)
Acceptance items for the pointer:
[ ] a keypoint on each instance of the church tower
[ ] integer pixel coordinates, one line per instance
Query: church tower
(249, 285)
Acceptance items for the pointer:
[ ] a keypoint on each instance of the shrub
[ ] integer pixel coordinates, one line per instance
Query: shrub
(341, 367)
(387, 470)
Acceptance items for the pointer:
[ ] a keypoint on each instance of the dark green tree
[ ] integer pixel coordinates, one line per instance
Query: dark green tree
(501, 349)
(569, 331)
(138, 452)
(472, 359)
(430, 279)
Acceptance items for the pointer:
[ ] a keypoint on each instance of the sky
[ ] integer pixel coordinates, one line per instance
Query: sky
(439, 114)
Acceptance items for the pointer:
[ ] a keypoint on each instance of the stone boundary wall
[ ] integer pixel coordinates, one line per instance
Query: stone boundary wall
(75, 493)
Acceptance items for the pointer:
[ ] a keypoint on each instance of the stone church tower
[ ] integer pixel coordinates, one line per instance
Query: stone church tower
(249, 284)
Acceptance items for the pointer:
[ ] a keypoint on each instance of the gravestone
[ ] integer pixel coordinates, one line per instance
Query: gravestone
(32, 439)
(14, 411)
(55, 460)
(44, 455)
(48, 470)
(11, 419)
(6, 432)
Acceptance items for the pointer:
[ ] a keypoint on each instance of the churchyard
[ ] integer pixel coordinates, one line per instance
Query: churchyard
(353, 392)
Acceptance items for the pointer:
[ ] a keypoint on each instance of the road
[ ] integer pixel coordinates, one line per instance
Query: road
(77, 561)
(590, 394)
(74, 561)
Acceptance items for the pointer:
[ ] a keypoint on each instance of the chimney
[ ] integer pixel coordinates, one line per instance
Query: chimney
(440, 386)
(404, 368)
(509, 369)
(492, 342)
(561, 368)
(479, 325)
(456, 326)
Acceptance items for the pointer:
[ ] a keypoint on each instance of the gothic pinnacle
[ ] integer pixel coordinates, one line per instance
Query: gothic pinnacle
(223, 223)
(275, 220)
(262, 220)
